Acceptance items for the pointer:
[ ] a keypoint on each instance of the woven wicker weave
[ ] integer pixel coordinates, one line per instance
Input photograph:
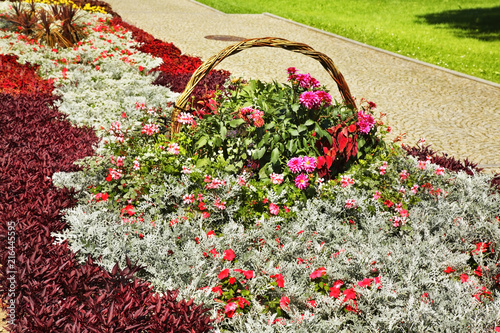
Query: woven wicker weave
(208, 65)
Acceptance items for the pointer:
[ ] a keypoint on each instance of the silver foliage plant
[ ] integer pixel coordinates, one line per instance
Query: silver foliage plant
(415, 293)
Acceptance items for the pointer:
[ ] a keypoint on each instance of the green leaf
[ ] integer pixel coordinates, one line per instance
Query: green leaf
(275, 155)
(293, 132)
(223, 131)
(202, 162)
(236, 122)
(201, 142)
(217, 142)
(257, 154)
(309, 122)
(302, 128)
(270, 125)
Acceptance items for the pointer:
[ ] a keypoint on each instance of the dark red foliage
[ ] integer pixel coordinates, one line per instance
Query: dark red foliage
(448, 162)
(21, 79)
(53, 293)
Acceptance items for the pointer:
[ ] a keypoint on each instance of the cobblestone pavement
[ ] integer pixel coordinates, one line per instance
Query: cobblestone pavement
(456, 114)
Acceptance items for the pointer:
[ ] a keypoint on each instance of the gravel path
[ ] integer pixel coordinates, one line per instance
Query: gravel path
(456, 114)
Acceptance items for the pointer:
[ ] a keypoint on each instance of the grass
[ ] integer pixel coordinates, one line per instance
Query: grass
(463, 36)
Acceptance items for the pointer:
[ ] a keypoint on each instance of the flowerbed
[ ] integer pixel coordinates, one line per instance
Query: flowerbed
(277, 207)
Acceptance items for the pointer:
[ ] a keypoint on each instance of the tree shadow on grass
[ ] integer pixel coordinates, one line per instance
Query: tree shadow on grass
(478, 23)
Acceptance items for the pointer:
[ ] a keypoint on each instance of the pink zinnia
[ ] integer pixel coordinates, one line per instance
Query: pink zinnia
(310, 99)
(325, 97)
(309, 163)
(302, 181)
(296, 164)
(274, 209)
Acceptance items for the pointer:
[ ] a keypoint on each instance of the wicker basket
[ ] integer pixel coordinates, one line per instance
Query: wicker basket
(208, 65)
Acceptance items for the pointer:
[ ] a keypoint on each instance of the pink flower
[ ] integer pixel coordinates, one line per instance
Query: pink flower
(325, 97)
(404, 175)
(464, 278)
(185, 118)
(284, 301)
(309, 163)
(223, 274)
(296, 164)
(310, 100)
(318, 273)
(205, 215)
(188, 199)
(350, 203)
(173, 148)
(376, 196)
(220, 204)
(229, 255)
(414, 189)
(307, 81)
(137, 164)
(150, 129)
(242, 181)
(186, 170)
(383, 168)
(115, 173)
(302, 181)
(229, 309)
(274, 209)
(346, 181)
(397, 222)
(365, 122)
(440, 171)
(276, 178)
(422, 165)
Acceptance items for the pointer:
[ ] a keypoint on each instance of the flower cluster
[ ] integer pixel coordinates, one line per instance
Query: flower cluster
(315, 99)
(304, 163)
(250, 115)
(365, 122)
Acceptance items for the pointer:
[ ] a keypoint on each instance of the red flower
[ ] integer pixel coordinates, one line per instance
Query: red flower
(202, 206)
(335, 289)
(248, 274)
(217, 290)
(141, 68)
(352, 128)
(349, 294)
(229, 255)
(210, 233)
(279, 280)
(232, 280)
(224, 274)
(229, 309)
(365, 283)
(312, 303)
(242, 302)
(388, 203)
(284, 301)
(129, 209)
(478, 271)
(141, 236)
(449, 270)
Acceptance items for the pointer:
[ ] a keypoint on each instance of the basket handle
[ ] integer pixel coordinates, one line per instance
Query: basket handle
(208, 65)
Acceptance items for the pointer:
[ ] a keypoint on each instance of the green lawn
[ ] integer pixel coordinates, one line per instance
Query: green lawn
(460, 35)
